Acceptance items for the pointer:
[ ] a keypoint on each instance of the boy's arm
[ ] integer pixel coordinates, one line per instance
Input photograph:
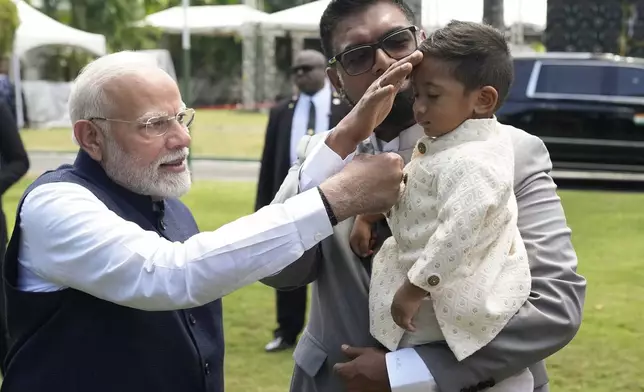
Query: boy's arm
(370, 218)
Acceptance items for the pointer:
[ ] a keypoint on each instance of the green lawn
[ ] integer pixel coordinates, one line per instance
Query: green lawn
(215, 133)
(607, 231)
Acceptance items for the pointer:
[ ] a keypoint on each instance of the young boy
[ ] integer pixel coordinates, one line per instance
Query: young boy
(455, 268)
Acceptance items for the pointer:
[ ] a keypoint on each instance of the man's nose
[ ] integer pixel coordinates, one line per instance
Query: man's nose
(178, 137)
(381, 62)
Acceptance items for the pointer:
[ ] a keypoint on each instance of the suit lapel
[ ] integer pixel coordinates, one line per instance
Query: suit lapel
(287, 119)
(286, 124)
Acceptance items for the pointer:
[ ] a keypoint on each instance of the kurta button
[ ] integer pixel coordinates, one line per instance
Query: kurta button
(405, 176)
(192, 319)
(206, 368)
(433, 280)
(422, 148)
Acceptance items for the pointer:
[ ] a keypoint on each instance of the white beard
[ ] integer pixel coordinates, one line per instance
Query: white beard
(126, 170)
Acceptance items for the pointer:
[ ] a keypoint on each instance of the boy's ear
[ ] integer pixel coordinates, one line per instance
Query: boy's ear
(486, 101)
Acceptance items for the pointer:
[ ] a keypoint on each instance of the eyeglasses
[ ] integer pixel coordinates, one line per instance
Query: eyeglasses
(160, 125)
(360, 59)
(302, 69)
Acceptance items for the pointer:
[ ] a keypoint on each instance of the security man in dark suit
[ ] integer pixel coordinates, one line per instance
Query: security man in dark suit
(14, 164)
(316, 108)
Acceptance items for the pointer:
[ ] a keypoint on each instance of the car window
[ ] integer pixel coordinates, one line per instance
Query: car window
(630, 82)
(570, 79)
(522, 72)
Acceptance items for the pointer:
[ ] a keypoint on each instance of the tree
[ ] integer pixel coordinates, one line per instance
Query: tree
(8, 25)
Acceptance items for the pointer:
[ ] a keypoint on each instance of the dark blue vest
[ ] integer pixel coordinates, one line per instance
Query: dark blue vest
(73, 342)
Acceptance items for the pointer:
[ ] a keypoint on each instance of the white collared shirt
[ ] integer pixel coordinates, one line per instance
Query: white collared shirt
(406, 369)
(299, 127)
(71, 239)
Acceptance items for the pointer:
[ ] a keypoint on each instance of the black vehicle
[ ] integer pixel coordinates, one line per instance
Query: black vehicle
(587, 108)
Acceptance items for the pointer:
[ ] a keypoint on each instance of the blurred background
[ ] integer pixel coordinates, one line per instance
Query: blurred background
(579, 86)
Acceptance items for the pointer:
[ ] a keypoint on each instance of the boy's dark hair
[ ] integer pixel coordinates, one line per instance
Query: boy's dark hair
(338, 10)
(478, 54)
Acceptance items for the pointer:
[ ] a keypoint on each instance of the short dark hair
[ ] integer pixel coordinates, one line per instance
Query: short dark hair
(478, 54)
(338, 10)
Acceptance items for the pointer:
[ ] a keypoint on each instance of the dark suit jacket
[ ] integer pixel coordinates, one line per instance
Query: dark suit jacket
(14, 162)
(276, 157)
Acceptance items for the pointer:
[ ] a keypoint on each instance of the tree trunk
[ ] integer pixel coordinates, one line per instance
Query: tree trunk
(493, 13)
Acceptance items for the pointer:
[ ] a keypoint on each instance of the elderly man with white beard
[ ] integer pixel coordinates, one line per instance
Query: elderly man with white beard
(109, 284)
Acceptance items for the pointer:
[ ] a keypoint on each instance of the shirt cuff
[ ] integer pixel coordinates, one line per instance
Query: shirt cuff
(309, 215)
(408, 372)
(321, 164)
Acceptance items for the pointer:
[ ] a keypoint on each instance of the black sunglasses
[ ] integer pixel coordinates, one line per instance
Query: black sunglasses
(359, 59)
(302, 69)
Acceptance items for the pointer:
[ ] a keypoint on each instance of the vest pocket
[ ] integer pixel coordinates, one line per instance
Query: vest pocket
(309, 354)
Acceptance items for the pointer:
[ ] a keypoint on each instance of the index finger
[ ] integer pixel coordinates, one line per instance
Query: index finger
(414, 59)
(340, 368)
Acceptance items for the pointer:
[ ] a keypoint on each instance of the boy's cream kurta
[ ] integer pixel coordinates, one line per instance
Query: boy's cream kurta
(455, 235)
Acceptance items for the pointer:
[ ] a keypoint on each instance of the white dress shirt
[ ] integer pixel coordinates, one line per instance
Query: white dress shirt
(322, 102)
(71, 239)
(407, 371)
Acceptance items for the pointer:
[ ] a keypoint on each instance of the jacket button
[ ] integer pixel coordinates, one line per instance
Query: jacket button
(192, 319)
(433, 280)
(422, 148)
(206, 368)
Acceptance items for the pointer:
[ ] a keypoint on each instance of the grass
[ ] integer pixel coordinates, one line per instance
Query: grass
(214, 134)
(606, 354)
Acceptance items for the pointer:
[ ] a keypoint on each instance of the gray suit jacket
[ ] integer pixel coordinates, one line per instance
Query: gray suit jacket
(339, 311)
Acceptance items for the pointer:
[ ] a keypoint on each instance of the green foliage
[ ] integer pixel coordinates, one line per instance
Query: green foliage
(8, 24)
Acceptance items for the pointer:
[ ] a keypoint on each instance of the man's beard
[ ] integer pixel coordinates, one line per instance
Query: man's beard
(402, 110)
(126, 170)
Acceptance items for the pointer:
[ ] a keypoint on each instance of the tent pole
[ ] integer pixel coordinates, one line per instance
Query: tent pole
(185, 43)
(17, 85)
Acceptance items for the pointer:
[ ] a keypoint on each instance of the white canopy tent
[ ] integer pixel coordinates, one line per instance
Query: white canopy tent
(206, 19)
(300, 22)
(303, 18)
(36, 30)
(212, 20)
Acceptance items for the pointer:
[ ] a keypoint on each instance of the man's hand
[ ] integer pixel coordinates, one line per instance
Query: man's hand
(365, 372)
(369, 184)
(372, 108)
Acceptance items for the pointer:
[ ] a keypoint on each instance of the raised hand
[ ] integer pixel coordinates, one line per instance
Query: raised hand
(373, 107)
